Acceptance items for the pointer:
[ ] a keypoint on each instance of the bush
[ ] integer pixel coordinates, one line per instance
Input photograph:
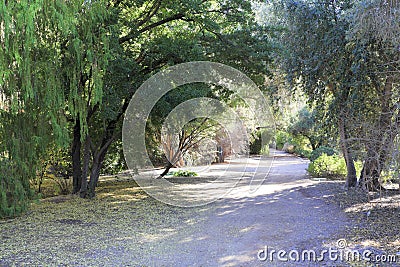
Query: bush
(183, 173)
(304, 153)
(256, 147)
(282, 138)
(322, 150)
(114, 161)
(328, 166)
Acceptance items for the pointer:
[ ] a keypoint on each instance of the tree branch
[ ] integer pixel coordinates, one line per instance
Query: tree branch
(134, 33)
(152, 11)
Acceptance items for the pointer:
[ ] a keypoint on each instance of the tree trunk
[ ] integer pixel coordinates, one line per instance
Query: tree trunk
(351, 178)
(166, 170)
(85, 171)
(382, 143)
(76, 158)
(95, 172)
(314, 143)
(88, 189)
(94, 177)
(99, 156)
(369, 178)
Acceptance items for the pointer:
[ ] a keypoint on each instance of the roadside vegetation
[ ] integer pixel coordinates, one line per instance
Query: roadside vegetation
(330, 70)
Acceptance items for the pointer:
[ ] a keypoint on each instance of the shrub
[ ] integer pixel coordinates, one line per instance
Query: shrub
(256, 147)
(321, 150)
(282, 138)
(255, 144)
(184, 173)
(328, 166)
(304, 153)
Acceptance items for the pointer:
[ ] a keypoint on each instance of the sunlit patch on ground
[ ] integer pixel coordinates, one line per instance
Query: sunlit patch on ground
(377, 216)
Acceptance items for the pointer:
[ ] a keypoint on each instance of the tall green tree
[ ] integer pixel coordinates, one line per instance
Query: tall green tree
(53, 58)
(32, 99)
(316, 61)
(373, 39)
(337, 53)
(148, 36)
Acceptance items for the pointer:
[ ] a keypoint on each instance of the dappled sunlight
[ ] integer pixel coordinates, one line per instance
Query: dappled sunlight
(190, 239)
(370, 243)
(376, 204)
(235, 260)
(153, 237)
(395, 243)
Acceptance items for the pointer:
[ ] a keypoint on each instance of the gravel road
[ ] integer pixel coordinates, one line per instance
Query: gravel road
(285, 213)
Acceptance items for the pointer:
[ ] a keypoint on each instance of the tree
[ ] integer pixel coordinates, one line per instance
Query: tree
(374, 40)
(53, 58)
(347, 67)
(32, 117)
(317, 61)
(190, 136)
(306, 124)
(148, 36)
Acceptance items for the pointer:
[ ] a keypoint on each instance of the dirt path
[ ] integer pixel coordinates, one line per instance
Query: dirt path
(284, 213)
(287, 212)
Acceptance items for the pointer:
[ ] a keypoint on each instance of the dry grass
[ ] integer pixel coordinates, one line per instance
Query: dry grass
(376, 215)
(68, 230)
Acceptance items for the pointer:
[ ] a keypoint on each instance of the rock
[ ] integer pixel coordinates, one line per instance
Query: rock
(287, 147)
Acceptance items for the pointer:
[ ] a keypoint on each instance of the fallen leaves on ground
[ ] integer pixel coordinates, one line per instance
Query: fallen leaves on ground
(376, 215)
(68, 230)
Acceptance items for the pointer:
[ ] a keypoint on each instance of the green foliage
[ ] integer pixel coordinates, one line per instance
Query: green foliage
(184, 173)
(299, 143)
(256, 147)
(32, 99)
(304, 153)
(339, 54)
(328, 166)
(306, 124)
(331, 167)
(282, 138)
(114, 162)
(322, 150)
(79, 62)
(13, 192)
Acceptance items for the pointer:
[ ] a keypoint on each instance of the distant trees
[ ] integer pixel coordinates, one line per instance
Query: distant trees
(306, 124)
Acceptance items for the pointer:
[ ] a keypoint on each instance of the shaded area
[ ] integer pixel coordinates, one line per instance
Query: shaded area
(125, 227)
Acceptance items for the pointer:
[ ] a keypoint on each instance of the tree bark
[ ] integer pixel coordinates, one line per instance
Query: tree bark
(382, 143)
(369, 177)
(94, 177)
(76, 158)
(95, 171)
(85, 171)
(351, 178)
(166, 170)
(100, 154)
